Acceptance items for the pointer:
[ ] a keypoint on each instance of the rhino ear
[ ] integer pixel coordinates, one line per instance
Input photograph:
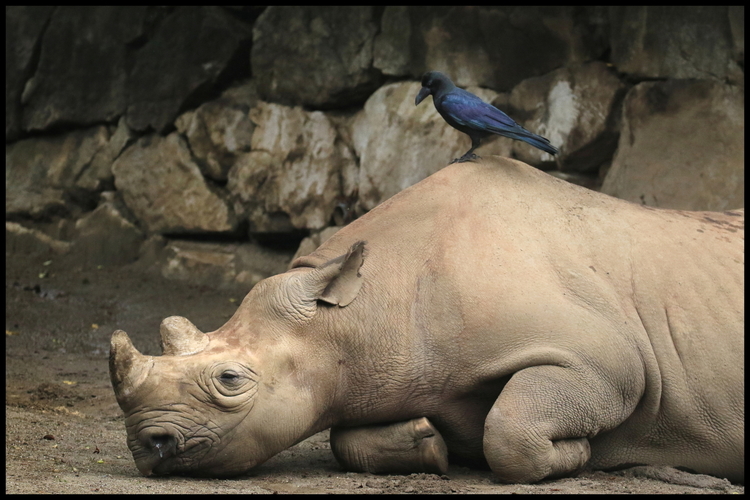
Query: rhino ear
(343, 288)
(337, 282)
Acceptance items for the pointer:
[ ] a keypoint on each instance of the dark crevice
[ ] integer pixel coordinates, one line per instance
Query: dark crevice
(288, 241)
(220, 184)
(208, 237)
(66, 126)
(84, 200)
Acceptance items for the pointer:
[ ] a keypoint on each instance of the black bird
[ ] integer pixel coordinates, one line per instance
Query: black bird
(468, 113)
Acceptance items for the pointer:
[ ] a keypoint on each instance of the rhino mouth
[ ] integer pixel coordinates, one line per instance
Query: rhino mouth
(155, 454)
(160, 450)
(164, 459)
(153, 464)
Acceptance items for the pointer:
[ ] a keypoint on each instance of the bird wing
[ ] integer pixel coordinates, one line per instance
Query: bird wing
(463, 109)
(470, 111)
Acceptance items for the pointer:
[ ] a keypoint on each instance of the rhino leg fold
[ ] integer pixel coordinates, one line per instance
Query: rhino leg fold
(540, 425)
(403, 448)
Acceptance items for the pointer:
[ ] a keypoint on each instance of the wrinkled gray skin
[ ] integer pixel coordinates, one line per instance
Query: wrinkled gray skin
(490, 310)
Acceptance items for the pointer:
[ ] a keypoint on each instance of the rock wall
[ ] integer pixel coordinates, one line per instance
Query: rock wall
(204, 138)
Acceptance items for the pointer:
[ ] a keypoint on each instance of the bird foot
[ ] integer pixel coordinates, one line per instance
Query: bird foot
(465, 158)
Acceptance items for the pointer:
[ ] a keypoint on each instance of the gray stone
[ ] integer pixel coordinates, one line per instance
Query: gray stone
(24, 26)
(673, 41)
(97, 175)
(200, 263)
(576, 108)
(20, 239)
(391, 53)
(292, 176)
(82, 67)
(151, 254)
(319, 57)
(41, 172)
(682, 146)
(399, 144)
(163, 187)
(495, 47)
(255, 262)
(190, 50)
(218, 131)
(311, 243)
(106, 237)
(36, 202)
(221, 265)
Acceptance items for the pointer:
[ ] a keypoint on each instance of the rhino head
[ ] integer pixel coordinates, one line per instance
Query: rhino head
(219, 404)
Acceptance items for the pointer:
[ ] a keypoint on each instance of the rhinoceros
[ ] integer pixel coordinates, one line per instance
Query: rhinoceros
(490, 311)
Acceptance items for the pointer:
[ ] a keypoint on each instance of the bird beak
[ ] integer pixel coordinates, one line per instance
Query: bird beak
(423, 92)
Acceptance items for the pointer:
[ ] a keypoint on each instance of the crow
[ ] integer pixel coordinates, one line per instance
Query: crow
(469, 114)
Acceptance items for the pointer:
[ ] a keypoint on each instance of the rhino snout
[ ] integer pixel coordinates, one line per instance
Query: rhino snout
(158, 445)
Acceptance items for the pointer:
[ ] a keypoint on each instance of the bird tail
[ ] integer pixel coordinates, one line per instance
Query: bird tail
(521, 134)
(539, 142)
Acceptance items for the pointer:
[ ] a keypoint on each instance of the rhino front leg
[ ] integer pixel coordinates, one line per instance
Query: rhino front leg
(404, 447)
(541, 423)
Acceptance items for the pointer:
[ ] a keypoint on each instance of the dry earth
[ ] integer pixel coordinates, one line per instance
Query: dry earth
(64, 430)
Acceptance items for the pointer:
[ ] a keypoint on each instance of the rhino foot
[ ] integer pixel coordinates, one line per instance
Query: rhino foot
(406, 447)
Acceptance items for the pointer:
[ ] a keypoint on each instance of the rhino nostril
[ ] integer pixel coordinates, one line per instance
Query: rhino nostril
(164, 444)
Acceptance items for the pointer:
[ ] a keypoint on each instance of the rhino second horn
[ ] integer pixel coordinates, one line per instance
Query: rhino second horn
(128, 368)
(179, 337)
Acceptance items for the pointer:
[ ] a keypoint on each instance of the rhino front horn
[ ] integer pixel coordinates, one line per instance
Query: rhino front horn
(179, 337)
(128, 368)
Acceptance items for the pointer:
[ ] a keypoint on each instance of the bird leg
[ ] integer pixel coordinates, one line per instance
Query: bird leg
(469, 155)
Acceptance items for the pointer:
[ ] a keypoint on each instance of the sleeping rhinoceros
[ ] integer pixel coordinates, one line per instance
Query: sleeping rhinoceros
(491, 311)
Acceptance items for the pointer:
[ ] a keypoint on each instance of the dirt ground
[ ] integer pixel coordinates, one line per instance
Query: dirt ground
(65, 432)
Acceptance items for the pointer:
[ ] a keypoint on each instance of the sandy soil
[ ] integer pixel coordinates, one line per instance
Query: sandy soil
(64, 430)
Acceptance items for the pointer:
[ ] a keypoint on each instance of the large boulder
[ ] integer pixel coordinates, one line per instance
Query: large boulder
(293, 175)
(21, 239)
(163, 187)
(97, 63)
(220, 130)
(221, 265)
(24, 26)
(674, 41)
(321, 58)
(682, 146)
(48, 175)
(82, 69)
(97, 175)
(399, 144)
(577, 108)
(191, 49)
(106, 237)
(311, 243)
(495, 47)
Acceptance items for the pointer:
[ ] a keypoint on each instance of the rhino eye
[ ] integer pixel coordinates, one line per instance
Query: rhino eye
(229, 377)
